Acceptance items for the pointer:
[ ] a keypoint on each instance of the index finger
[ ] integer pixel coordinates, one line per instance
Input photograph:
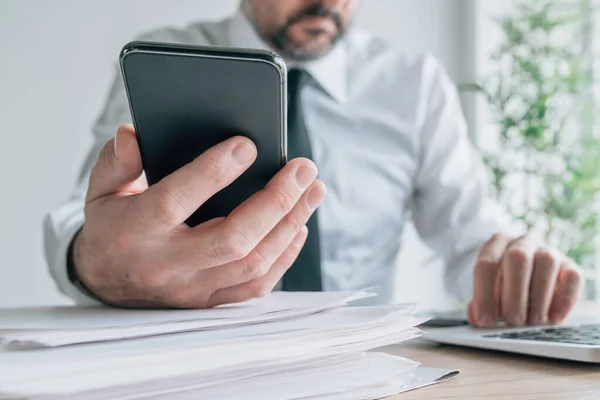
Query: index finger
(173, 199)
(485, 277)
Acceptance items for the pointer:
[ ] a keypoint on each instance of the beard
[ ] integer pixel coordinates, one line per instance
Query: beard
(282, 39)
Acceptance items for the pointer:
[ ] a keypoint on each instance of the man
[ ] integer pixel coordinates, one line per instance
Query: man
(387, 136)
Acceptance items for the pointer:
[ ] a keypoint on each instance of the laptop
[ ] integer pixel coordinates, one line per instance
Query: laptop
(576, 340)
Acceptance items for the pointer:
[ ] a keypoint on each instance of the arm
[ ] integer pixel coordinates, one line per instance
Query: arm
(516, 279)
(452, 211)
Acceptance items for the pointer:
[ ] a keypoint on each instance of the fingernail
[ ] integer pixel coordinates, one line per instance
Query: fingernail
(315, 197)
(305, 175)
(116, 151)
(243, 153)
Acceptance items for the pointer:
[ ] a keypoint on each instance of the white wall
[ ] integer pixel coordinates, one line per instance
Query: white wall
(57, 61)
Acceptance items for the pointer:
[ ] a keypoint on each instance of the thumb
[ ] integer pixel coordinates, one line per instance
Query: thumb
(119, 164)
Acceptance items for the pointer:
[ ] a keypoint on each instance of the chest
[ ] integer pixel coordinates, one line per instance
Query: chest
(367, 157)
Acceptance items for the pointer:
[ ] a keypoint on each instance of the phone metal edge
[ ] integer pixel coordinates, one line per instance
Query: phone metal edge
(277, 62)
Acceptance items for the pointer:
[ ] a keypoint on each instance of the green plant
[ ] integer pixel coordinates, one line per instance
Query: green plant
(545, 166)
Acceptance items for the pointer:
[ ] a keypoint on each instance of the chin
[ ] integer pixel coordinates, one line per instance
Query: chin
(306, 45)
(315, 45)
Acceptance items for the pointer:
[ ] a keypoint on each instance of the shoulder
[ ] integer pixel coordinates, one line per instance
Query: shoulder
(197, 33)
(370, 54)
(413, 91)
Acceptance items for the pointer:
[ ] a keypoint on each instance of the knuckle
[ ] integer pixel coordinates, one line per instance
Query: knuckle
(255, 265)
(497, 237)
(214, 171)
(294, 222)
(223, 249)
(168, 207)
(284, 201)
(485, 265)
(545, 258)
(233, 246)
(517, 256)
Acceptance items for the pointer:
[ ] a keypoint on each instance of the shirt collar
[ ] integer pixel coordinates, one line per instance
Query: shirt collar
(329, 71)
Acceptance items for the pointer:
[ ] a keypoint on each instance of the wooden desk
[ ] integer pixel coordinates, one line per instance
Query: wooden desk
(499, 376)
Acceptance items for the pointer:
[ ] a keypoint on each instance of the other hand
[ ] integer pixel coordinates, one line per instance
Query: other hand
(522, 282)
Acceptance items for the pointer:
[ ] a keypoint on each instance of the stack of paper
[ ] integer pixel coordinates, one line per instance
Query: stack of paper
(284, 346)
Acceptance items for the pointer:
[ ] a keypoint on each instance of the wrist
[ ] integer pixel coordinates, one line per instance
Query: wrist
(75, 264)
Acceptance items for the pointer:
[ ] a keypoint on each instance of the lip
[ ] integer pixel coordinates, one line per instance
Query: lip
(323, 23)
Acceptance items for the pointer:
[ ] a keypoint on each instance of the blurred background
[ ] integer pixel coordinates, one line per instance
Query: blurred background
(525, 69)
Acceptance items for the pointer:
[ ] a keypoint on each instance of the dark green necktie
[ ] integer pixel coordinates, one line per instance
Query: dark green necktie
(305, 274)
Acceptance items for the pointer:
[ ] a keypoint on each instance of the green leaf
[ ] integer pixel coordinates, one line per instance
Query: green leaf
(540, 98)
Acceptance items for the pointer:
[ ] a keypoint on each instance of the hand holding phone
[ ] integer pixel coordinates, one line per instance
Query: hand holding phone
(136, 251)
(224, 216)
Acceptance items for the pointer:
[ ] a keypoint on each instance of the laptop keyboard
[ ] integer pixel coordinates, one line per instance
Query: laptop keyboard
(584, 334)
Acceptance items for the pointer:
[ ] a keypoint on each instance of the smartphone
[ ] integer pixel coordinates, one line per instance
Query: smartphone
(186, 99)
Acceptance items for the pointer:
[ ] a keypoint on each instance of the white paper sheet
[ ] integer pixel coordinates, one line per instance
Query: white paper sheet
(357, 376)
(145, 359)
(416, 379)
(60, 326)
(370, 369)
(285, 346)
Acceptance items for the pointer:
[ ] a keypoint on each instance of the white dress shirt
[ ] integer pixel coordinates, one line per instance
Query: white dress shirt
(388, 136)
